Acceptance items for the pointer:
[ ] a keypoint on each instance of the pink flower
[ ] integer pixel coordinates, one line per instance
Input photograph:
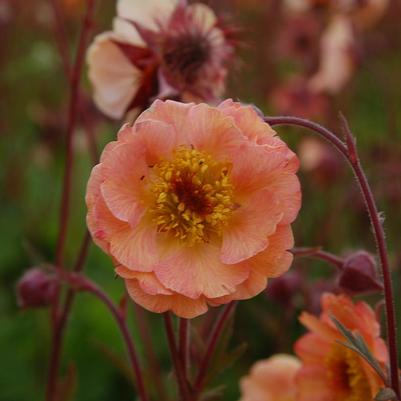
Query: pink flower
(271, 379)
(337, 58)
(330, 371)
(194, 205)
(158, 49)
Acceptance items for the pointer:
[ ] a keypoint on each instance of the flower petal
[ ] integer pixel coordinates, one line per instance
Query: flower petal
(275, 259)
(210, 131)
(148, 13)
(197, 271)
(182, 306)
(250, 225)
(115, 83)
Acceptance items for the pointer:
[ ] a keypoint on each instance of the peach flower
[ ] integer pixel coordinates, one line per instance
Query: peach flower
(330, 371)
(271, 379)
(194, 205)
(158, 49)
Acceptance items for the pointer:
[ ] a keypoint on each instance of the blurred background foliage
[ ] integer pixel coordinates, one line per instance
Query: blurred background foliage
(32, 146)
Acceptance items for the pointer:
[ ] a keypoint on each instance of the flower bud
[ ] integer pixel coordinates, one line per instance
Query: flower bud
(359, 274)
(36, 288)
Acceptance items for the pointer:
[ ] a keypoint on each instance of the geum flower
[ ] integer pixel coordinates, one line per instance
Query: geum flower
(271, 379)
(194, 205)
(330, 371)
(164, 49)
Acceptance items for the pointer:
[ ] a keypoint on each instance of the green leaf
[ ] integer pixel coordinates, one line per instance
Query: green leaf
(385, 394)
(356, 343)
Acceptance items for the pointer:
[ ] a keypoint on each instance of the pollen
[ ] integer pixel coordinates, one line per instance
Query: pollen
(346, 375)
(193, 195)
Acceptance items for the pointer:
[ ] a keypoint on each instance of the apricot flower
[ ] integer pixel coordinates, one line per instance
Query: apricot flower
(271, 379)
(158, 48)
(330, 371)
(194, 205)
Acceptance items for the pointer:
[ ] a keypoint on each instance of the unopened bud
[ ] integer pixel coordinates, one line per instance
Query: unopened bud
(359, 274)
(36, 288)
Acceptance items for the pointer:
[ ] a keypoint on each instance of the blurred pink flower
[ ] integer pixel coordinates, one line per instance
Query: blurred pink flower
(296, 97)
(329, 370)
(320, 160)
(271, 379)
(161, 49)
(194, 204)
(364, 13)
(337, 57)
(299, 38)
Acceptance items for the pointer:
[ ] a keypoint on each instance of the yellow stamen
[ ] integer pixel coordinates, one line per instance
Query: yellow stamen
(193, 195)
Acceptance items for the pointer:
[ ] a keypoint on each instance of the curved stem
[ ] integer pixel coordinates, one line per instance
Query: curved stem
(211, 346)
(175, 356)
(349, 151)
(82, 283)
(317, 253)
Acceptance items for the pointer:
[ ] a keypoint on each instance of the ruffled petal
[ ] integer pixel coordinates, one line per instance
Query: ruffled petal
(197, 271)
(249, 227)
(275, 259)
(180, 305)
(114, 78)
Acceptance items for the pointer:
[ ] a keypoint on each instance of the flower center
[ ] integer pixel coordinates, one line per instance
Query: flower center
(346, 375)
(193, 195)
(185, 55)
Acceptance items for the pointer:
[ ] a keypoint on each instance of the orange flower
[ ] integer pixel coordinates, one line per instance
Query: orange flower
(330, 371)
(164, 49)
(194, 204)
(271, 379)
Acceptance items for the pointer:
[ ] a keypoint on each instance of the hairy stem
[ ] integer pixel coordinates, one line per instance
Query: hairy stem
(349, 151)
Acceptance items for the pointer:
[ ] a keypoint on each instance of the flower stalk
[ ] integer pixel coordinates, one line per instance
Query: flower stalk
(349, 151)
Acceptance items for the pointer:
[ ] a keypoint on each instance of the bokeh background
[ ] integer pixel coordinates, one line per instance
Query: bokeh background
(279, 52)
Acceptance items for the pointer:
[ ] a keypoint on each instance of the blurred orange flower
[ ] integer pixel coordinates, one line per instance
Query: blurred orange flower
(164, 49)
(194, 205)
(330, 371)
(271, 379)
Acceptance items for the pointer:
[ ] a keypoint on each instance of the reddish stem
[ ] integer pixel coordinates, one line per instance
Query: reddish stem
(84, 284)
(72, 120)
(184, 332)
(349, 151)
(317, 253)
(211, 346)
(175, 356)
(57, 319)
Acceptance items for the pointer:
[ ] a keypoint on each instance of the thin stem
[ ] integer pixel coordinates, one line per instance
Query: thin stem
(58, 322)
(151, 358)
(87, 285)
(175, 356)
(349, 151)
(72, 120)
(184, 332)
(211, 346)
(317, 253)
